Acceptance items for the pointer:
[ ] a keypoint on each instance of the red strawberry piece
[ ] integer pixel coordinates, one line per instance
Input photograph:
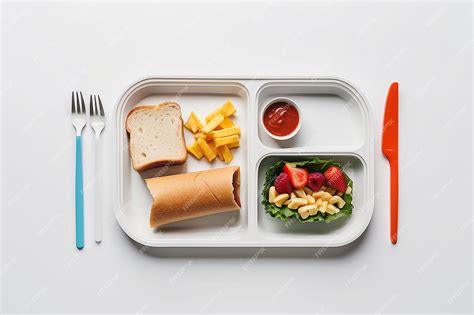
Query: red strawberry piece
(283, 184)
(316, 181)
(298, 176)
(336, 178)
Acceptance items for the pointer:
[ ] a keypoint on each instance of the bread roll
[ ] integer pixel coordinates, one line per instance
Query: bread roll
(190, 195)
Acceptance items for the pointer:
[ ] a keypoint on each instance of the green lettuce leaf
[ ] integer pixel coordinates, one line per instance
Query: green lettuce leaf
(312, 165)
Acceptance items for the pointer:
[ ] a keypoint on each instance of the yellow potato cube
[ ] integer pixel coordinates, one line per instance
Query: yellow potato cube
(300, 193)
(322, 194)
(324, 206)
(235, 130)
(193, 123)
(226, 123)
(228, 109)
(310, 199)
(332, 210)
(214, 113)
(201, 135)
(195, 150)
(210, 155)
(280, 199)
(219, 153)
(272, 194)
(226, 140)
(211, 125)
(234, 145)
(318, 203)
(212, 145)
(226, 153)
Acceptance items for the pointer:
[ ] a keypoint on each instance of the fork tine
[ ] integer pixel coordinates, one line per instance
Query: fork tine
(101, 107)
(83, 105)
(78, 105)
(73, 105)
(95, 105)
(91, 106)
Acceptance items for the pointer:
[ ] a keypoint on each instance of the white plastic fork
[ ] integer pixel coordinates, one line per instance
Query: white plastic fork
(78, 115)
(97, 120)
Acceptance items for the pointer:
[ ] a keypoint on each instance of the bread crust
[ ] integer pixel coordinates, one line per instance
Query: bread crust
(156, 163)
(190, 195)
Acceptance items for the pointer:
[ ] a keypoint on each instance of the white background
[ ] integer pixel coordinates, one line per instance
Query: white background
(48, 50)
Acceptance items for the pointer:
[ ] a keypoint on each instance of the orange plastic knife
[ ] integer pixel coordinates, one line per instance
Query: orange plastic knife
(390, 150)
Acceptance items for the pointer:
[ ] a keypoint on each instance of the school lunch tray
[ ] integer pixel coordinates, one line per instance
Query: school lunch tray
(336, 124)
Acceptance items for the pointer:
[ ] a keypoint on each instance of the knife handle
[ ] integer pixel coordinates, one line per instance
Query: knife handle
(394, 201)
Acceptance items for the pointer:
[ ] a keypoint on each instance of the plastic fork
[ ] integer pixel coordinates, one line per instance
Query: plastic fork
(78, 115)
(97, 119)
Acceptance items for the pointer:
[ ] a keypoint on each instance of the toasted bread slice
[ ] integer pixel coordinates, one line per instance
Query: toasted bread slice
(156, 136)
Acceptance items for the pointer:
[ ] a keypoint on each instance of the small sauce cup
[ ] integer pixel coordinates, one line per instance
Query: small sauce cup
(281, 118)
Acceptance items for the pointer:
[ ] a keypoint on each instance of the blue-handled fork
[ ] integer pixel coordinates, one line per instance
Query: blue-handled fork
(78, 115)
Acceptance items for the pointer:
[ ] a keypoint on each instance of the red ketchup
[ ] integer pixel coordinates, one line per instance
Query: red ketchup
(281, 119)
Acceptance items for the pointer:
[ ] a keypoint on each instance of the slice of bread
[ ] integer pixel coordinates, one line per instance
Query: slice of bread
(156, 136)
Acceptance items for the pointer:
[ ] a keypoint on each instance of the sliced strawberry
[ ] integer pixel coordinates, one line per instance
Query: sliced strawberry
(283, 184)
(316, 181)
(298, 176)
(336, 178)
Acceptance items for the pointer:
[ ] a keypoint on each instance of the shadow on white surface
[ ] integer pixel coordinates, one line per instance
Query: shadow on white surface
(257, 252)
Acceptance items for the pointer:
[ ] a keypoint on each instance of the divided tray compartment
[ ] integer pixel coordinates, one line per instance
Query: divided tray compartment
(336, 124)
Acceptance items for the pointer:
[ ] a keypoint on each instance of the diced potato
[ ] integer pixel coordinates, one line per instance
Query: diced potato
(226, 123)
(193, 123)
(214, 113)
(212, 145)
(322, 194)
(235, 130)
(210, 155)
(228, 108)
(300, 201)
(280, 199)
(318, 203)
(323, 207)
(226, 153)
(293, 205)
(219, 153)
(300, 193)
(234, 145)
(312, 209)
(226, 140)
(310, 199)
(186, 125)
(272, 194)
(336, 199)
(207, 138)
(332, 210)
(195, 150)
(211, 125)
(303, 212)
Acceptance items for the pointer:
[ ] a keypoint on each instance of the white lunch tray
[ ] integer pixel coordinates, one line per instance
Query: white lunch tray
(336, 124)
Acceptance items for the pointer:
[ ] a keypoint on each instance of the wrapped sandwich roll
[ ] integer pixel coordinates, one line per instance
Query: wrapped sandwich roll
(190, 195)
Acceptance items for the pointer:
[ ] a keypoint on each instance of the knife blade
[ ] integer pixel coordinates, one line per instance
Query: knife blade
(390, 150)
